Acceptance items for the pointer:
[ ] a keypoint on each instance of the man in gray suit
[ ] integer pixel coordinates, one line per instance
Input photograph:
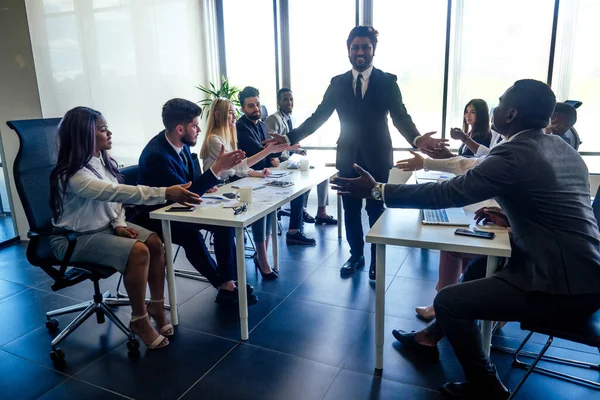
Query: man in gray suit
(281, 122)
(541, 183)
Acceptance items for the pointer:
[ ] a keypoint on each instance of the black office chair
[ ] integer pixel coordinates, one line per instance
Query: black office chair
(35, 160)
(587, 332)
(263, 113)
(575, 104)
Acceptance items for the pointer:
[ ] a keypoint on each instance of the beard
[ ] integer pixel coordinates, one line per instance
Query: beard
(254, 116)
(189, 141)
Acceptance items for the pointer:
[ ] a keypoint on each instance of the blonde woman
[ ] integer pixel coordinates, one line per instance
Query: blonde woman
(221, 131)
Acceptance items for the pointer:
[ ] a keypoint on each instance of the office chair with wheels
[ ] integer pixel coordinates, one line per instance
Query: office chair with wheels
(587, 332)
(35, 160)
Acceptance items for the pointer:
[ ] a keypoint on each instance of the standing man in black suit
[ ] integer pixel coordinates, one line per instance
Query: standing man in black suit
(553, 274)
(362, 97)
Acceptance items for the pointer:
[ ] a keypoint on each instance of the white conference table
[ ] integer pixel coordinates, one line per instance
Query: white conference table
(265, 201)
(403, 227)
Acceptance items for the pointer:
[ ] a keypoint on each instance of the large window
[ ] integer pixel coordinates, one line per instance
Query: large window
(317, 54)
(124, 58)
(412, 40)
(250, 47)
(493, 44)
(577, 65)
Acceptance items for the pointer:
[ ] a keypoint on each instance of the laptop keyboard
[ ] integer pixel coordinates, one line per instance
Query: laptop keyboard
(435, 216)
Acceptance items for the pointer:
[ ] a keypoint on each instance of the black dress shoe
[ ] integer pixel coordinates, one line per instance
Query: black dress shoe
(492, 390)
(329, 220)
(372, 273)
(408, 342)
(308, 219)
(299, 238)
(230, 298)
(249, 288)
(351, 266)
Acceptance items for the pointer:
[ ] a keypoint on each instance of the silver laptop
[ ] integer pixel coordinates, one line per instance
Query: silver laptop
(448, 216)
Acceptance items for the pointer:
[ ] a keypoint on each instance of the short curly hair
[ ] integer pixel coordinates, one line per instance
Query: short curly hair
(366, 31)
(246, 93)
(179, 112)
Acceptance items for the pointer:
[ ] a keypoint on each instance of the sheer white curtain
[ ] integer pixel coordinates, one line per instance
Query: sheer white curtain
(494, 44)
(576, 74)
(124, 58)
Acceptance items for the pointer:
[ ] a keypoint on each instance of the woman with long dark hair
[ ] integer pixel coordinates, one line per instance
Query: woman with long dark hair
(475, 130)
(86, 196)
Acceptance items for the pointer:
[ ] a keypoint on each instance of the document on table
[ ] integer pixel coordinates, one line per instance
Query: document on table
(272, 194)
(254, 183)
(210, 203)
(278, 174)
(433, 175)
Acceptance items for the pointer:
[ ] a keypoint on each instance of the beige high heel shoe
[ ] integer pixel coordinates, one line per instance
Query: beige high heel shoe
(158, 343)
(165, 330)
(426, 313)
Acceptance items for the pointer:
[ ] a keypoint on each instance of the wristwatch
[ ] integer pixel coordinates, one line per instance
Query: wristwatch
(377, 192)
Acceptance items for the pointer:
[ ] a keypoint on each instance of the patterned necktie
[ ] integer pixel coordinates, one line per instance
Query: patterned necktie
(185, 163)
(358, 93)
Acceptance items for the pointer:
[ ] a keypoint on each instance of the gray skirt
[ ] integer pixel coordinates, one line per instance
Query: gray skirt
(101, 246)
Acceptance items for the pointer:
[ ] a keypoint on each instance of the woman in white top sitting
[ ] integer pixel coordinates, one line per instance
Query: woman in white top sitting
(86, 197)
(221, 132)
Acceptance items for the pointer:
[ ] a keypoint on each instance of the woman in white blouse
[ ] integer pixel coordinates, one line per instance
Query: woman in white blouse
(221, 132)
(86, 197)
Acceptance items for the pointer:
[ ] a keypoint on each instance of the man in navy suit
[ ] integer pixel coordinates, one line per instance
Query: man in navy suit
(363, 97)
(166, 160)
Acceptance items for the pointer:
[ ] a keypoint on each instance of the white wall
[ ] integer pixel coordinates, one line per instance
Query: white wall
(19, 97)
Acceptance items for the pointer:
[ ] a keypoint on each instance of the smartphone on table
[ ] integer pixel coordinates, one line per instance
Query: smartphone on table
(478, 234)
(180, 208)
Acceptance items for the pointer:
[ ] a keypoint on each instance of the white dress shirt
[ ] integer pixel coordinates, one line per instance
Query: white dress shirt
(459, 165)
(91, 202)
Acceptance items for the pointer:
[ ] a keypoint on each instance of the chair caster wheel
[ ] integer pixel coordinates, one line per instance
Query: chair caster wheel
(58, 357)
(100, 317)
(133, 345)
(52, 324)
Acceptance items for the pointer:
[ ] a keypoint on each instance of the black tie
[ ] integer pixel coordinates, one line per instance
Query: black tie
(289, 124)
(359, 87)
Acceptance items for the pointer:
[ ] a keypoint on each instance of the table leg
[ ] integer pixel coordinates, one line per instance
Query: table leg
(166, 229)
(379, 306)
(241, 275)
(486, 326)
(275, 243)
(339, 215)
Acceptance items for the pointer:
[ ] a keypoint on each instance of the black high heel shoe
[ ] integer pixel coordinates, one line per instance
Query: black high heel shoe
(271, 276)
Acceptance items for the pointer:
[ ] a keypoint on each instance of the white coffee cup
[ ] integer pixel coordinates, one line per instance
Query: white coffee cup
(244, 194)
(304, 164)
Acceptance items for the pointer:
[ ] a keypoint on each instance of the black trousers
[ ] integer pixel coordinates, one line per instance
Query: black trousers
(458, 307)
(353, 215)
(191, 239)
(297, 212)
